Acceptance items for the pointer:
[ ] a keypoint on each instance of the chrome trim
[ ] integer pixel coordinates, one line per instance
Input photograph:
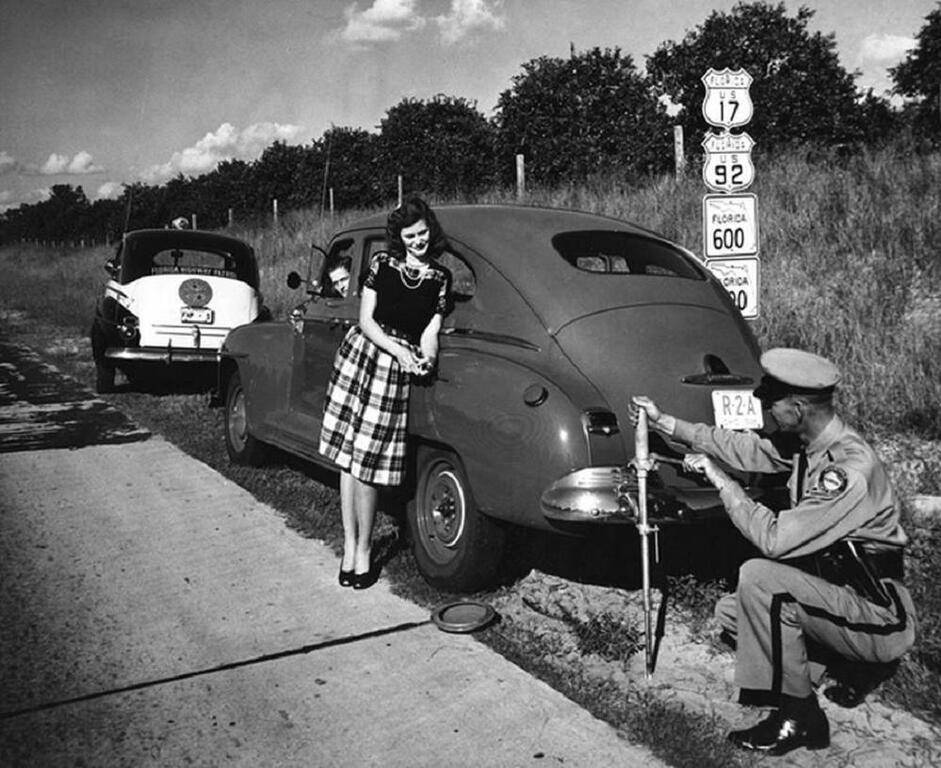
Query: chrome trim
(495, 338)
(163, 355)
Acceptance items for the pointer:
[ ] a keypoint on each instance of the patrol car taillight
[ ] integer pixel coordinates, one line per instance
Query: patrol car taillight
(128, 327)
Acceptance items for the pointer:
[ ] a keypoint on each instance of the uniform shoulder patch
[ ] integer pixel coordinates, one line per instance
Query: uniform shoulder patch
(833, 480)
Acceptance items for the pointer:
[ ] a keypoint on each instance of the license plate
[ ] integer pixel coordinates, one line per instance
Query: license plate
(736, 409)
(195, 315)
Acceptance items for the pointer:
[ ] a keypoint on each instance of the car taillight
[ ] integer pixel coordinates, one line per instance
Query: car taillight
(127, 327)
(599, 422)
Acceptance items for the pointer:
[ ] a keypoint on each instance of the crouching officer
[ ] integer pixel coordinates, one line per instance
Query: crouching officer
(831, 572)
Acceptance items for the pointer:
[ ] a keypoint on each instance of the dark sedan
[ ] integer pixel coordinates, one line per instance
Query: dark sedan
(559, 317)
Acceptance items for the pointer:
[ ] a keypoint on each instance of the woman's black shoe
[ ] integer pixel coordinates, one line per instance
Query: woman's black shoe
(365, 580)
(347, 578)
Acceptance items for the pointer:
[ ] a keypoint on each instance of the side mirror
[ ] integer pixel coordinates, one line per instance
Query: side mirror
(294, 280)
(111, 267)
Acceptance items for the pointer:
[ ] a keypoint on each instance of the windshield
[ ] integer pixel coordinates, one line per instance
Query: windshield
(622, 253)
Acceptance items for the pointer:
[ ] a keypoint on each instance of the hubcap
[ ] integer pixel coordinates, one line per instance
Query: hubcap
(442, 514)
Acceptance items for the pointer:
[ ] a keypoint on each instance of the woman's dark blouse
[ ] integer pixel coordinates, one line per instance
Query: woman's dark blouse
(404, 309)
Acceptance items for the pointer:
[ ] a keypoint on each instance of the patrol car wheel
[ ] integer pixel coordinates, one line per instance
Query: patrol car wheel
(457, 547)
(104, 377)
(241, 446)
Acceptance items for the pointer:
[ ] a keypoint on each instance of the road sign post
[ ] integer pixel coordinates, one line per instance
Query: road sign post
(730, 221)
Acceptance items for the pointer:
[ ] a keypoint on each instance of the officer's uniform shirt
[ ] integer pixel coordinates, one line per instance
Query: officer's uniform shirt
(845, 491)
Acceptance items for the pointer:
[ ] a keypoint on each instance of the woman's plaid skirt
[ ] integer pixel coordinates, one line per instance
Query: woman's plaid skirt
(366, 411)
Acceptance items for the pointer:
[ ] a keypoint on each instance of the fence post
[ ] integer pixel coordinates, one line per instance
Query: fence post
(679, 153)
(331, 202)
(520, 177)
(230, 217)
(193, 217)
(274, 210)
(399, 179)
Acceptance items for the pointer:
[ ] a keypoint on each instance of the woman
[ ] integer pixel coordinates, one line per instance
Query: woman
(404, 299)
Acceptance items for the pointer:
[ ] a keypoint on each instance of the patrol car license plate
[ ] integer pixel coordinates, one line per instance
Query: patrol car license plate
(736, 409)
(195, 315)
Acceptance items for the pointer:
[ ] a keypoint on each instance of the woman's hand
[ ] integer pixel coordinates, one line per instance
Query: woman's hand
(426, 365)
(700, 462)
(408, 361)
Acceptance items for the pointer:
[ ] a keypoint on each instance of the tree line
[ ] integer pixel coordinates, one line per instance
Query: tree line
(593, 114)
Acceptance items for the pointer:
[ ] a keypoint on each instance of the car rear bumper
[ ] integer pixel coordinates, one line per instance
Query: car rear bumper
(166, 355)
(609, 495)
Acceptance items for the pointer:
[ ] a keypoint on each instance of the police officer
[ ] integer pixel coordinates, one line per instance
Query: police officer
(830, 575)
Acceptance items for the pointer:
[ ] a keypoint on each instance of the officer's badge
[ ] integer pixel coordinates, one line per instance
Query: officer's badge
(833, 480)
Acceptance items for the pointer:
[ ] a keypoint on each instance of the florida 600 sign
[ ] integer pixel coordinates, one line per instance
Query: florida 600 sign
(729, 225)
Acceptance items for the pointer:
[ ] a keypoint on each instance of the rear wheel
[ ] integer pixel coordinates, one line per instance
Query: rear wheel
(241, 446)
(457, 547)
(104, 373)
(104, 377)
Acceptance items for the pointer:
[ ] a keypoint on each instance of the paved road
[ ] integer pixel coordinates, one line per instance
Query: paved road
(155, 613)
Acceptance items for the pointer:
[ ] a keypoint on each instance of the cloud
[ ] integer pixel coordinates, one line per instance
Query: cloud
(468, 16)
(109, 190)
(885, 49)
(82, 163)
(10, 200)
(226, 143)
(383, 20)
(8, 164)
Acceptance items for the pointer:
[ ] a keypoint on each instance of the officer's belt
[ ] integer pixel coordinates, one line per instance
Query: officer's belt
(857, 563)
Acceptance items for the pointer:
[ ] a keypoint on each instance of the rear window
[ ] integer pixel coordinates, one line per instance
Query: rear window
(622, 253)
(148, 259)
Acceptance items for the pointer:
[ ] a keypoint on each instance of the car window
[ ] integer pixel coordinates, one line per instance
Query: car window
(463, 282)
(192, 262)
(334, 277)
(463, 285)
(622, 253)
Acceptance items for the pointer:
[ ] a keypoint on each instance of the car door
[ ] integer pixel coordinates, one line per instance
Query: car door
(327, 321)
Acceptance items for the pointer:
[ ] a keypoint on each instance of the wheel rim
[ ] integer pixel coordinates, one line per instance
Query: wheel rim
(442, 514)
(237, 421)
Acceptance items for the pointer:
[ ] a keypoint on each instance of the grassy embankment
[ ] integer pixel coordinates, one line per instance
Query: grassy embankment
(851, 268)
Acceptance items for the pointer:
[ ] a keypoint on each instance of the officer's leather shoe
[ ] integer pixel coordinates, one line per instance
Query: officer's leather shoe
(779, 733)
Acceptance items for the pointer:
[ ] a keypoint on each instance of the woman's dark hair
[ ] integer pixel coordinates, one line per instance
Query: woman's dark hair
(414, 209)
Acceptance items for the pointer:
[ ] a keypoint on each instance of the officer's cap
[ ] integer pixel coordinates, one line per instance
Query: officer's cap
(795, 372)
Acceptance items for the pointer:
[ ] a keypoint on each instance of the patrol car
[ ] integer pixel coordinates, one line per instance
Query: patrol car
(171, 298)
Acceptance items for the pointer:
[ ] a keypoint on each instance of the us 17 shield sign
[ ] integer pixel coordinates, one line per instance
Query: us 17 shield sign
(727, 103)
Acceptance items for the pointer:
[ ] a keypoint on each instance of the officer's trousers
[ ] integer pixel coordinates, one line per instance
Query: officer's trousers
(778, 610)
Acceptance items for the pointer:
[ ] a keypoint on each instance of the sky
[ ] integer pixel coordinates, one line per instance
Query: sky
(101, 93)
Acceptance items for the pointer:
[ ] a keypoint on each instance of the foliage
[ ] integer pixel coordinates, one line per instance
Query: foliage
(348, 166)
(440, 145)
(576, 117)
(919, 77)
(801, 92)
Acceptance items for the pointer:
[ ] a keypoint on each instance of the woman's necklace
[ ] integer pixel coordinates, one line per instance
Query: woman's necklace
(412, 277)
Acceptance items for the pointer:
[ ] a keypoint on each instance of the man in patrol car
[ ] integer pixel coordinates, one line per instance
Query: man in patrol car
(830, 575)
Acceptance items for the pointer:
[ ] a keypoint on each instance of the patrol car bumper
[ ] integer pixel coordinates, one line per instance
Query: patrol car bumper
(166, 355)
